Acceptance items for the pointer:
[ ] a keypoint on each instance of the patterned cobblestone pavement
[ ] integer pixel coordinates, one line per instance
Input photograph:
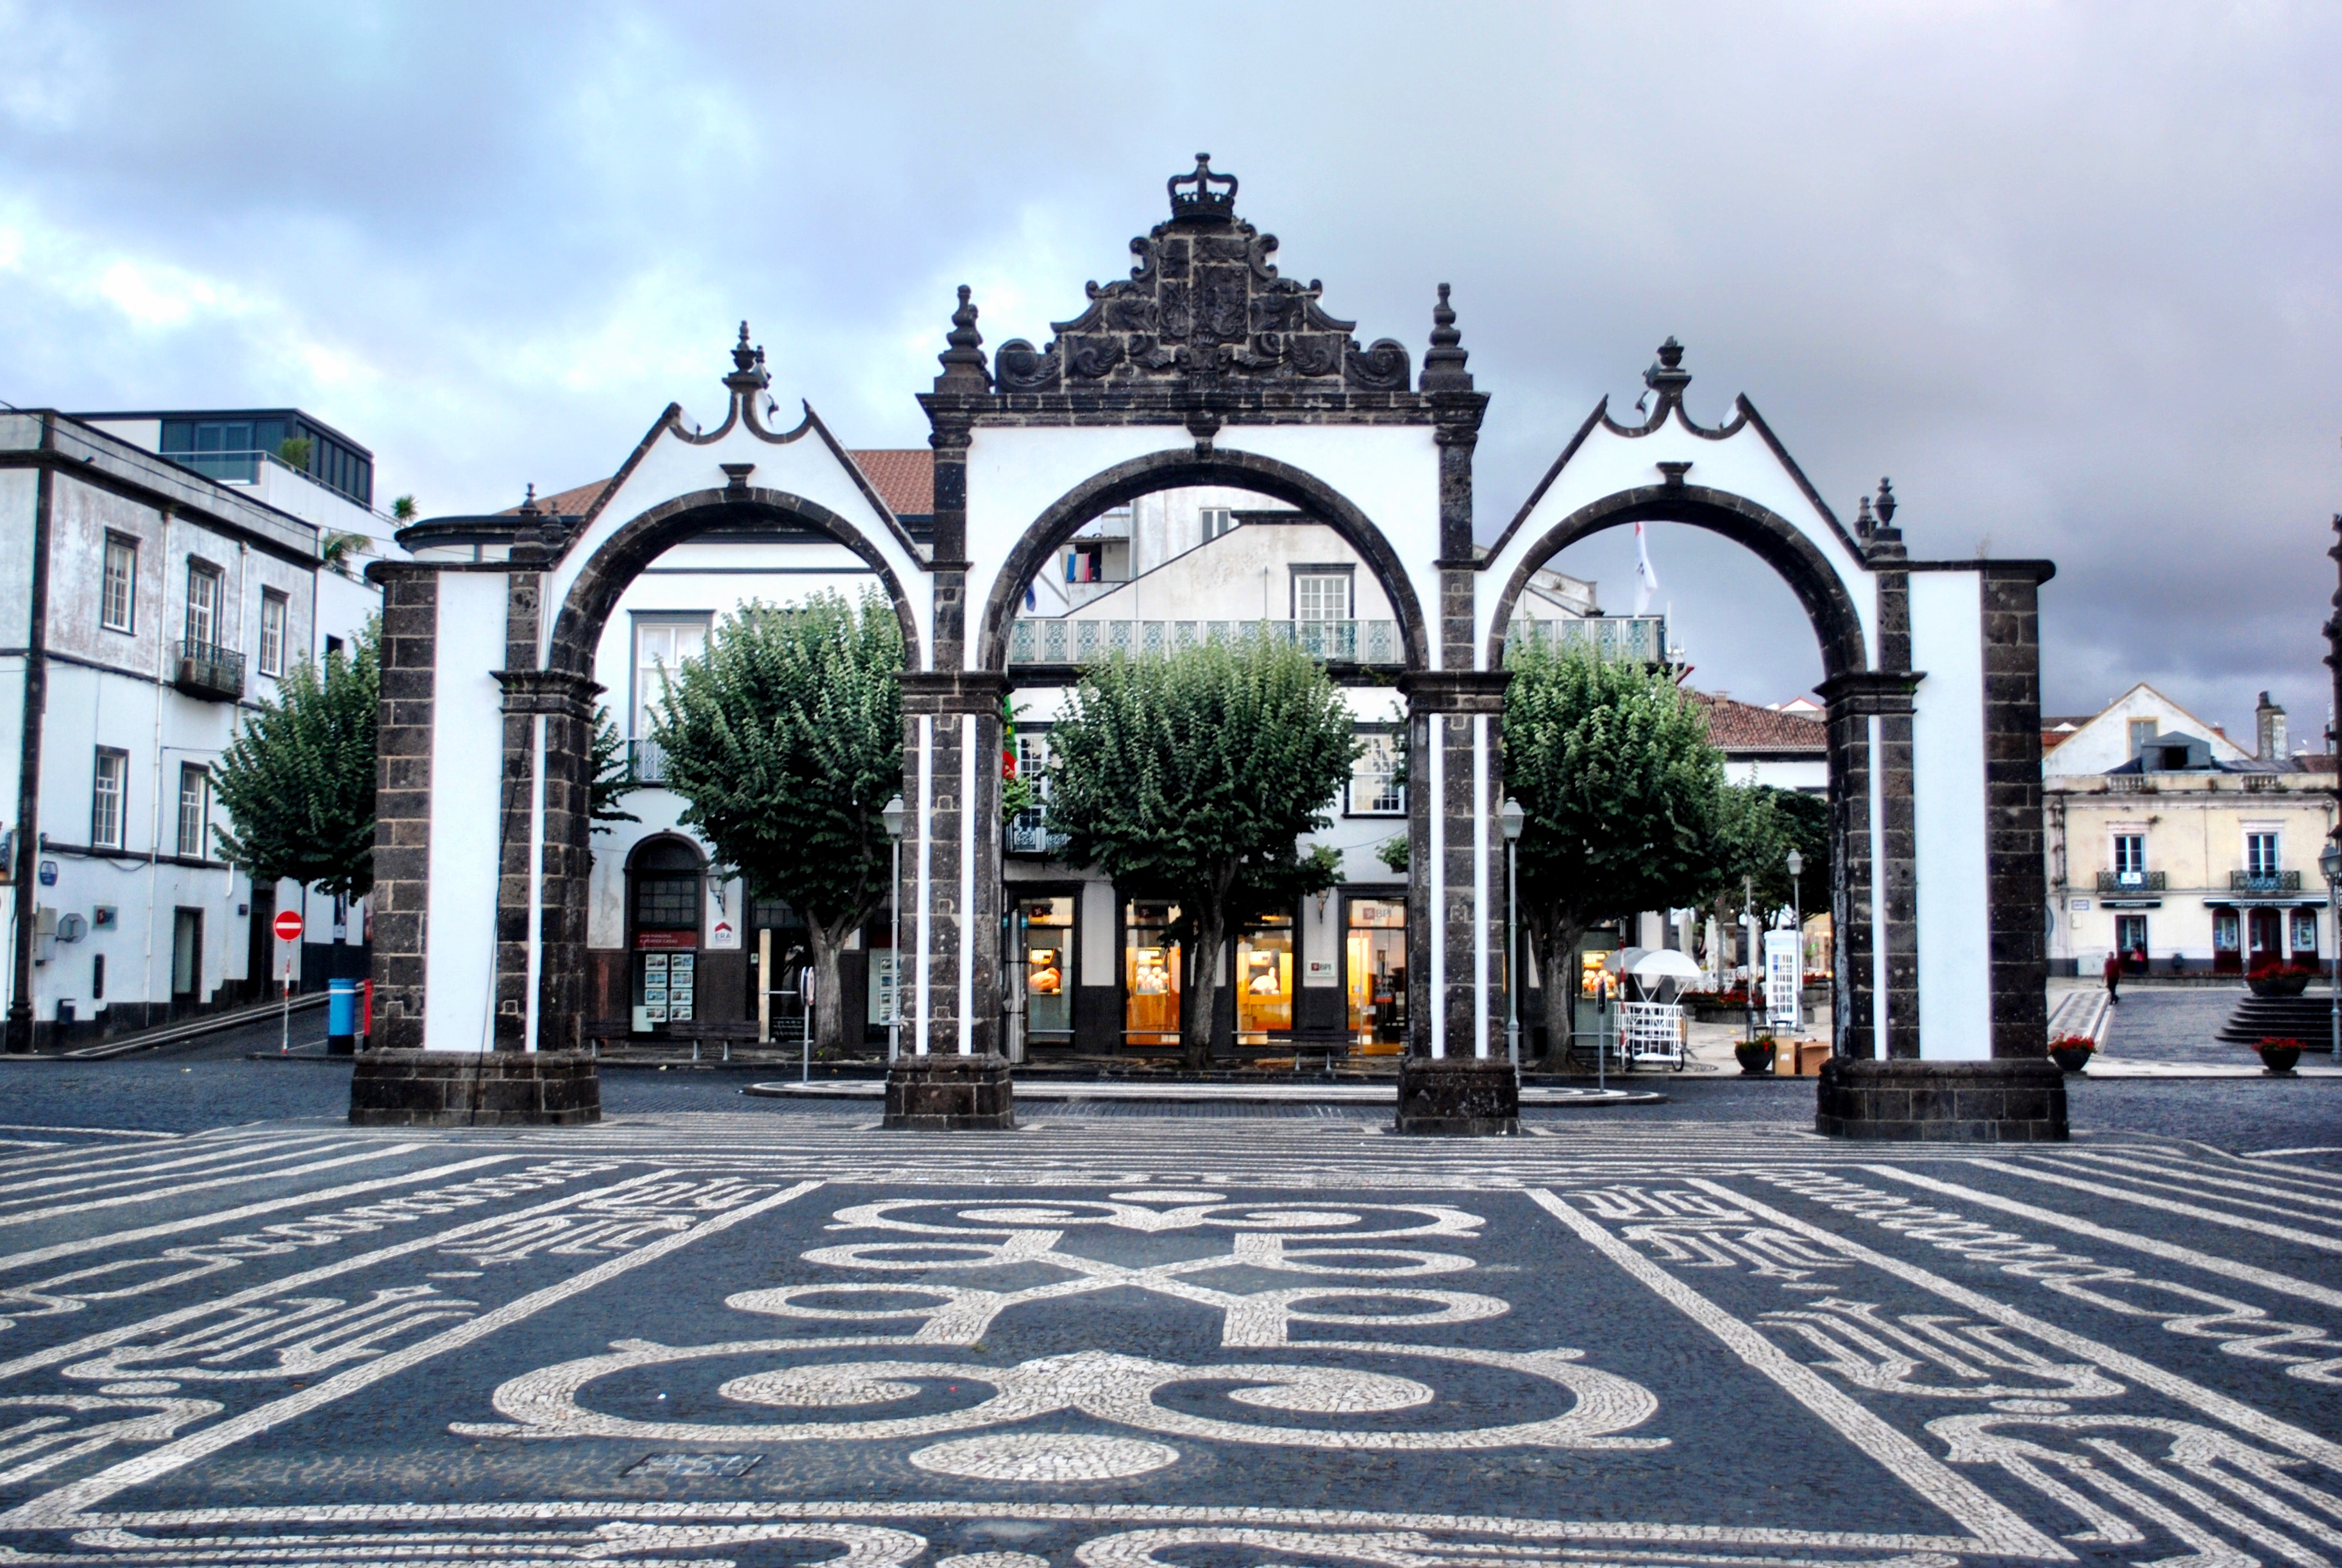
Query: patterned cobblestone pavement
(759, 1338)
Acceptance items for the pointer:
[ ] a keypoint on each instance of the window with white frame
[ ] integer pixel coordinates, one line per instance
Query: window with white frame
(1321, 595)
(2305, 931)
(1217, 520)
(195, 808)
(117, 609)
(2130, 854)
(203, 604)
(273, 608)
(2260, 854)
(105, 798)
(1033, 763)
(1375, 788)
(661, 647)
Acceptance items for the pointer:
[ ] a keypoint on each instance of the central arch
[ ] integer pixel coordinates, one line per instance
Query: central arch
(1179, 469)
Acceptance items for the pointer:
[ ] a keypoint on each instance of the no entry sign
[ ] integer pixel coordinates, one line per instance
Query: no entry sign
(288, 926)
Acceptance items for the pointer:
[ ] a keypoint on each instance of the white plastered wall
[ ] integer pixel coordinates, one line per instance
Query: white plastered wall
(467, 747)
(1390, 473)
(1950, 838)
(1740, 465)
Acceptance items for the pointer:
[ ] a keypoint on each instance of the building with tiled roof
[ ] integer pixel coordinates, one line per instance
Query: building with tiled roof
(904, 478)
(1766, 746)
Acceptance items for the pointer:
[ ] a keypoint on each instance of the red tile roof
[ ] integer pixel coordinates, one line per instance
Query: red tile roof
(904, 479)
(1746, 727)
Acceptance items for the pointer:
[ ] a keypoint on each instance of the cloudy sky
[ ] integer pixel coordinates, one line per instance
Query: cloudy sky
(2067, 273)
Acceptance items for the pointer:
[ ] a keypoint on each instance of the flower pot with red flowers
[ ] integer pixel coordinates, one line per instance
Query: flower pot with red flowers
(2072, 1052)
(2278, 1056)
(1755, 1057)
(2280, 979)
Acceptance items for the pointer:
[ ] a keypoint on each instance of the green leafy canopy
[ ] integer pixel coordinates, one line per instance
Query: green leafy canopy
(298, 780)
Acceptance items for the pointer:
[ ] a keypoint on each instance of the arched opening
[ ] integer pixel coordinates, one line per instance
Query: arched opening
(1090, 964)
(665, 889)
(1844, 737)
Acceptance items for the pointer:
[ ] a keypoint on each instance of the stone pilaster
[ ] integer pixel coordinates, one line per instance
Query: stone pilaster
(961, 906)
(2013, 846)
(1854, 700)
(401, 831)
(558, 846)
(1467, 929)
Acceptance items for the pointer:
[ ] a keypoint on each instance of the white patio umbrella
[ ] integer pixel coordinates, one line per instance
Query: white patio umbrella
(1652, 964)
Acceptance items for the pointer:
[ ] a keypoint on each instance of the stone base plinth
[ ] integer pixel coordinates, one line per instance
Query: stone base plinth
(474, 1089)
(1459, 1096)
(2015, 1100)
(951, 1094)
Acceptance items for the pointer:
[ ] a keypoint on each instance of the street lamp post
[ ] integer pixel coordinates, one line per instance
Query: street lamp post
(2329, 860)
(1513, 819)
(1796, 865)
(892, 814)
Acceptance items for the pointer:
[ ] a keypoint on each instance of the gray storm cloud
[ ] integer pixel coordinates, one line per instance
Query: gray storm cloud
(2067, 273)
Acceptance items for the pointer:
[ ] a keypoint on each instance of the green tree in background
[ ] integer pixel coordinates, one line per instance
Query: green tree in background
(1190, 777)
(298, 780)
(785, 741)
(614, 775)
(1758, 825)
(1622, 790)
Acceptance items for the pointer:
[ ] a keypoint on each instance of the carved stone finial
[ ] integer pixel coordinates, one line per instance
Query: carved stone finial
(1887, 503)
(528, 507)
(1202, 195)
(1442, 366)
(742, 355)
(1666, 376)
(962, 360)
(748, 375)
(1862, 519)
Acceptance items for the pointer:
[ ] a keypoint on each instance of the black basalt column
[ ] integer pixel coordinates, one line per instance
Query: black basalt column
(1855, 701)
(2014, 834)
(402, 828)
(557, 840)
(954, 718)
(1462, 709)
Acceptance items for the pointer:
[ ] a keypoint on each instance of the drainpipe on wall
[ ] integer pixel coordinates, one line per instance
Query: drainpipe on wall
(28, 760)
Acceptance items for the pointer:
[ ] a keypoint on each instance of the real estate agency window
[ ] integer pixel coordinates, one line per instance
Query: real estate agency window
(2260, 853)
(272, 610)
(661, 644)
(195, 808)
(203, 604)
(1374, 789)
(117, 609)
(105, 798)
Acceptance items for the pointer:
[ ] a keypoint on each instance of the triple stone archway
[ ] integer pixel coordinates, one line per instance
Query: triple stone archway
(1205, 366)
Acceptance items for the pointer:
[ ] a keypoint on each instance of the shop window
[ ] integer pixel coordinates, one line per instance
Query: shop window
(666, 888)
(1265, 978)
(1044, 930)
(1375, 963)
(2130, 937)
(1150, 974)
(118, 605)
(2227, 942)
(2304, 933)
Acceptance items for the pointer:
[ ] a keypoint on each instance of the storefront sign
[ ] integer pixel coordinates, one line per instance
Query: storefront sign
(665, 941)
(1319, 972)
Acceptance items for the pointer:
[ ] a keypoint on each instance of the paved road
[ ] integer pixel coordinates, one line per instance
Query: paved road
(720, 1331)
(2178, 1024)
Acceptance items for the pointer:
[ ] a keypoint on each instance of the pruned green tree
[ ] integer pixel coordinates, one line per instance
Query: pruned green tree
(613, 777)
(1190, 777)
(785, 738)
(298, 780)
(1612, 764)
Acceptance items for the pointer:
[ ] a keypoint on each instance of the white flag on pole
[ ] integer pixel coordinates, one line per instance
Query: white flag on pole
(1647, 582)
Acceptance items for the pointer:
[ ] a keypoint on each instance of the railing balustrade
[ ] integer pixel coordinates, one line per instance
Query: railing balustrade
(1067, 640)
(209, 671)
(2131, 881)
(2264, 882)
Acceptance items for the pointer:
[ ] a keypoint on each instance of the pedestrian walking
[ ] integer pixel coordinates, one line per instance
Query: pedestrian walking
(2114, 976)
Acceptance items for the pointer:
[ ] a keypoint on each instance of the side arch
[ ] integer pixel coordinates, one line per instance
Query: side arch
(1772, 538)
(1183, 469)
(620, 558)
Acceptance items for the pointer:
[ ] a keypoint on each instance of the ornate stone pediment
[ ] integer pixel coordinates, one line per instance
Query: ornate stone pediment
(1203, 306)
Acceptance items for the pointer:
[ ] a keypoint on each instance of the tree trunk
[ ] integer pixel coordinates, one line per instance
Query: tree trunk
(1557, 941)
(827, 1006)
(1202, 989)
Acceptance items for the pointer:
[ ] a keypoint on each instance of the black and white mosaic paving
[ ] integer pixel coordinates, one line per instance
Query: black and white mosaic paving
(1129, 1343)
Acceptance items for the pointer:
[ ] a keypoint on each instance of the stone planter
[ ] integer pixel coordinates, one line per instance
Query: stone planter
(2278, 985)
(2011, 1100)
(1458, 1096)
(951, 1094)
(474, 1089)
(1755, 1058)
(2277, 1061)
(2072, 1060)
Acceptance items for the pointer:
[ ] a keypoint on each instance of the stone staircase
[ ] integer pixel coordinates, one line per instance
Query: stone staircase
(2309, 1018)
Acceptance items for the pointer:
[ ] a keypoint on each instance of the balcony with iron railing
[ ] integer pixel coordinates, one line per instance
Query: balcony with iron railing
(1061, 641)
(646, 763)
(1028, 833)
(1632, 639)
(210, 671)
(2131, 881)
(2264, 882)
